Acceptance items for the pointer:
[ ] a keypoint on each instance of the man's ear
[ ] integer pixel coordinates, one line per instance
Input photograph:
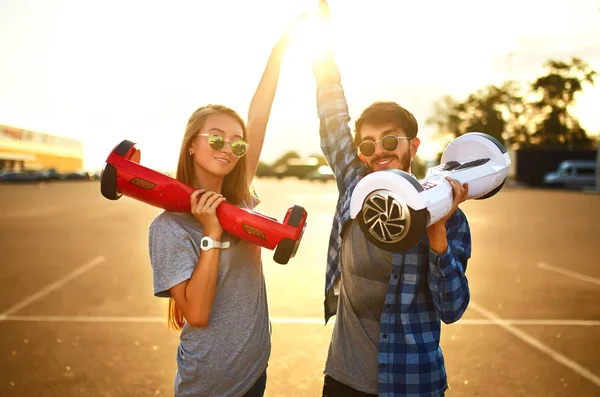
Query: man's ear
(414, 146)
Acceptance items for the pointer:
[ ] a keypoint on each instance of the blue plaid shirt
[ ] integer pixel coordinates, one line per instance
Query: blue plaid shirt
(425, 288)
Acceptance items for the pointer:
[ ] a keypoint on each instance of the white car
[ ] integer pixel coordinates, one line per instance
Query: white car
(574, 174)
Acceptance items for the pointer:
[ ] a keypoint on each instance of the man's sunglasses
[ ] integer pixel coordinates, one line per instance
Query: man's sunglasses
(388, 143)
(217, 142)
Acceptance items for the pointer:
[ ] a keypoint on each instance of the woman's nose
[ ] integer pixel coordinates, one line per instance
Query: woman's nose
(227, 148)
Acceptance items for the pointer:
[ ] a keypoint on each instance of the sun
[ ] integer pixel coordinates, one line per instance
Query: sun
(310, 36)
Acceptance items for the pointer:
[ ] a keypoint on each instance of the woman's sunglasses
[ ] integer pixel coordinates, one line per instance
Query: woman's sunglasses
(388, 143)
(217, 142)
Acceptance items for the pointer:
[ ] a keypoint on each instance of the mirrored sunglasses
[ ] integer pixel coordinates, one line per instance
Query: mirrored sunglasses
(217, 142)
(388, 143)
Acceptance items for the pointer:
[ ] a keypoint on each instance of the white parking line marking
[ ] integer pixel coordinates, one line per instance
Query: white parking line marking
(125, 319)
(320, 197)
(49, 288)
(584, 323)
(85, 319)
(298, 320)
(556, 356)
(564, 272)
(39, 211)
(105, 214)
(280, 320)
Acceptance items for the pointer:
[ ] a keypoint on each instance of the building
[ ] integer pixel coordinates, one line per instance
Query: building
(30, 150)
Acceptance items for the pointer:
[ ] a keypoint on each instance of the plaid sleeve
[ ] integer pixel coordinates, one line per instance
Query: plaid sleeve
(446, 277)
(336, 138)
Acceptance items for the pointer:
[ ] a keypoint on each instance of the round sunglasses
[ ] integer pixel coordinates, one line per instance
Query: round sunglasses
(217, 142)
(388, 143)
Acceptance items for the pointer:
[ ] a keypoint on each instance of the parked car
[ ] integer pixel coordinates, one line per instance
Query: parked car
(323, 174)
(572, 174)
(79, 175)
(52, 175)
(22, 176)
(296, 167)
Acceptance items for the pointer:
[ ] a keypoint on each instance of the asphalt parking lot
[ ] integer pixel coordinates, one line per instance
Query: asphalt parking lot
(78, 317)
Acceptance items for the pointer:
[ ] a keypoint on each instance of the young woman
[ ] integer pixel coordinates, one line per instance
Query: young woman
(214, 281)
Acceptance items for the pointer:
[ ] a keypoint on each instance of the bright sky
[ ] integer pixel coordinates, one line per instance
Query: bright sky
(106, 71)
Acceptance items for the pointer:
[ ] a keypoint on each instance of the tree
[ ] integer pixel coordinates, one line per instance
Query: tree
(418, 167)
(490, 110)
(555, 126)
(446, 117)
(284, 159)
(505, 114)
(321, 160)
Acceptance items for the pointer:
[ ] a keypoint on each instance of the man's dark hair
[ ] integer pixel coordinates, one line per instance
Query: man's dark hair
(387, 112)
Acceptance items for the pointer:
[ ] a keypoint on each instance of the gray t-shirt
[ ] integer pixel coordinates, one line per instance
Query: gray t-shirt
(365, 274)
(228, 356)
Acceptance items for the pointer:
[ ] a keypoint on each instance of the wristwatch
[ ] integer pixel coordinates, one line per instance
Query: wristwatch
(208, 243)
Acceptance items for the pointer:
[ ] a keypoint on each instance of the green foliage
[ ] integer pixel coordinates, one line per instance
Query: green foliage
(284, 159)
(556, 91)
(418, 167)
(505, 113)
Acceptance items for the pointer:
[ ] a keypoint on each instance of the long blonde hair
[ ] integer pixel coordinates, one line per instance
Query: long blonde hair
(236, 186)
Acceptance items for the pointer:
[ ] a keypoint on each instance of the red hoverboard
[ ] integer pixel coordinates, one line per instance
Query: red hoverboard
(123, 175)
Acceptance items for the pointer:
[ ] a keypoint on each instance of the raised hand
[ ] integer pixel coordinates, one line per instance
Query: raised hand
(324, 10)
(284, 40)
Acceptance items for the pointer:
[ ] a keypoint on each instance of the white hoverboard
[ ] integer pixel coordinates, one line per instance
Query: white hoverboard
(394, 209)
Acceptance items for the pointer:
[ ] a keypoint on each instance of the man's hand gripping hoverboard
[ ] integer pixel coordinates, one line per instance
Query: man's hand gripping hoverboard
(123, 175)
(394, 209)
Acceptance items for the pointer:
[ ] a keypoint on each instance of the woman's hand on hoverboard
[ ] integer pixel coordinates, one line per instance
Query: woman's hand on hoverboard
(204, 208)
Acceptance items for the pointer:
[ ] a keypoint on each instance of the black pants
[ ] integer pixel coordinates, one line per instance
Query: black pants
(258, 390)
(333, 388)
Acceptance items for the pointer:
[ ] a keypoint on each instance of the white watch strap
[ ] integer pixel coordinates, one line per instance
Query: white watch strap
(221, 244)
(208, 243)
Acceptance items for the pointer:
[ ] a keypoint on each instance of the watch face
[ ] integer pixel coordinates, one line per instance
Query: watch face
(206, 243)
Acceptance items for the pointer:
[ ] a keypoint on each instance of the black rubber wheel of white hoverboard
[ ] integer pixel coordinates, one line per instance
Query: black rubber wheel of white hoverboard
(287, 247)
(108, 180)
(390, 224)
(490, 194)
(502, 150)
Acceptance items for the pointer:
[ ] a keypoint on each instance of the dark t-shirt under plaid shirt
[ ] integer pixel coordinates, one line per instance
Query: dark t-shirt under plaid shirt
(424, 287)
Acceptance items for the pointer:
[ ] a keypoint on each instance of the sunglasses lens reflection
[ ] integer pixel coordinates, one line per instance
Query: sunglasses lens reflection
(389, 143)
(216, 142)
(238, 148)
(367, 148)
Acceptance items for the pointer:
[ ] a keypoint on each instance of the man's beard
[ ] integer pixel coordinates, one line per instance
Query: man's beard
(404, 161)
